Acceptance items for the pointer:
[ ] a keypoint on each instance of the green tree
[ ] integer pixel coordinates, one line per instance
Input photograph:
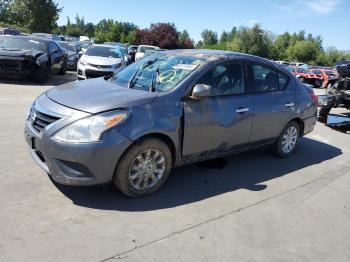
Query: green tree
(209, 37)
(36, 15)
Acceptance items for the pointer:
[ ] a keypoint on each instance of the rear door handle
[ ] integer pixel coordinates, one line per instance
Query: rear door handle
(289, 104)
(242, 109)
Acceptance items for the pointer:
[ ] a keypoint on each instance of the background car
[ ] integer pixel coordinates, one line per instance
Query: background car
(142, 49)
(9, 31)
(100, 60)
(48, 36)
(329, 77)
(74, 53)
(123, 49)
(132, 49)
(30, 56)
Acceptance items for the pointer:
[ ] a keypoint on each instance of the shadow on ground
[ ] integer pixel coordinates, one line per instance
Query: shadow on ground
(207, 179)
(53, 80)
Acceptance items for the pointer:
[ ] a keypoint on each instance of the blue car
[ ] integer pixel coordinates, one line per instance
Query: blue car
(166, 110)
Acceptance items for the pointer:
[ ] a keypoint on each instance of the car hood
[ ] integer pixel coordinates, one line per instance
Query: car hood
(98, 95)
(98, 60)
(9, 52)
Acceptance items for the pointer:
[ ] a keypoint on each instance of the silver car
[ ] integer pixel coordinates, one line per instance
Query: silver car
(100, 60)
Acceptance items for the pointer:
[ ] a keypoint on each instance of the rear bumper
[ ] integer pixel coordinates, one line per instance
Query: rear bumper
(309, 124)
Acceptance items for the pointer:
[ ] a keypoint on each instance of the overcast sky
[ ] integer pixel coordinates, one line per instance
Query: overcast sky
(329, 18)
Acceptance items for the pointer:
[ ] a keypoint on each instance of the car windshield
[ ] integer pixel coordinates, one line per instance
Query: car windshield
(84, 45)
(68, 46)
(104, 51)
(143, 49)
(22, 44)
(162, 72)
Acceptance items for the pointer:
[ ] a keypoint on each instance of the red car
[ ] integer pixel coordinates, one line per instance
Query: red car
(306, 76)
(328, 76)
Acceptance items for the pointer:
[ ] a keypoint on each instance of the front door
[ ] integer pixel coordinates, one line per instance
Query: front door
(222, 121)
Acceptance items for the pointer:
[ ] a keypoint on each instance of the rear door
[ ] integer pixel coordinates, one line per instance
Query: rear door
(273, 101)
(222, 121)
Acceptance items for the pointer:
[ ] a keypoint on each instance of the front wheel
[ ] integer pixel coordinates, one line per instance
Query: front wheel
(63, 69)
(287, 141)
(144, 168)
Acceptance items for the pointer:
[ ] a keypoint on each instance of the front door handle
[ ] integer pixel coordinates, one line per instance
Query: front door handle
(242, 109)
(289, 104)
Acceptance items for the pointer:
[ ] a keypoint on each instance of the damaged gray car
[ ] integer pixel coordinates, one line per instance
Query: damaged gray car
(169, 109)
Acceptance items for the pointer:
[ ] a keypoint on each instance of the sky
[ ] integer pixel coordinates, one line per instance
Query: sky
(328, 18)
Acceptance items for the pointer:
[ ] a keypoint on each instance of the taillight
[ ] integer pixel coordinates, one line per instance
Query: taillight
(314, 97)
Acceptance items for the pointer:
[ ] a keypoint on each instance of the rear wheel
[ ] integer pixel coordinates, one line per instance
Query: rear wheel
(287, 141)
(144, 168)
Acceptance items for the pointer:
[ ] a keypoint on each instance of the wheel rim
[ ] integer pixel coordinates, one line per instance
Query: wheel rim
(289, 139)
(147, 169)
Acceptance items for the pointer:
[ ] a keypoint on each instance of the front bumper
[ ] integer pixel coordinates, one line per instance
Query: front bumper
(88, 71)
(75, 163)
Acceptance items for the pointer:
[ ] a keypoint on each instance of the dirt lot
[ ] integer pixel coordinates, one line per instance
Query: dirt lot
(248, 207)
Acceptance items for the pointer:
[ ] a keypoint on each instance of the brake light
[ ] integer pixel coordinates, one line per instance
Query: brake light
(314, 97)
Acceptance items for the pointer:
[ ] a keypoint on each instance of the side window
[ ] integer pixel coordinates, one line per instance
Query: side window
(264, 79)
(225, 79)
(283, 80)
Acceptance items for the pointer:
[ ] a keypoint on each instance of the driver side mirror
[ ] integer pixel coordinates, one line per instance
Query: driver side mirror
(200, 91)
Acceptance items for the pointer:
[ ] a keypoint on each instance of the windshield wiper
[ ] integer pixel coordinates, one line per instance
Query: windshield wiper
(152, 88)
(143, 66)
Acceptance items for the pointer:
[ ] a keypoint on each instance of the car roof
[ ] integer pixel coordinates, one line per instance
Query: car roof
(41, 39)
(218, 54)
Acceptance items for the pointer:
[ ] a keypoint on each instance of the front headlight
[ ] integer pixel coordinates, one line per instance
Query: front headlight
(82, 62)
(90, 129)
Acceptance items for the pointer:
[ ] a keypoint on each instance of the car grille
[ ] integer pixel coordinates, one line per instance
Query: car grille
(40, 120)
(100, 66)
(93, 73)
(9, 66)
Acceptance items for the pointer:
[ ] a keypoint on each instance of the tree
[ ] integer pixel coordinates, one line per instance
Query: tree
(224, 37)
(185, 40)
(164, 35)
(36, 15)
(5, 10)
(209, 37)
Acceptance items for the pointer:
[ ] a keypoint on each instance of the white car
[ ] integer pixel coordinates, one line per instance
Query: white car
(100, 60)
(142, 49)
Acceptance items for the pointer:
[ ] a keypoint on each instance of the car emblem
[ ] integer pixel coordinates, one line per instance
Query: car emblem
(33, 117)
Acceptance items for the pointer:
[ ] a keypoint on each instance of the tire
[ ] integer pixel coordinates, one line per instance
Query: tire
(280, 146)
(63, 68)
(324, 111)
(40, 75)
(136, 155)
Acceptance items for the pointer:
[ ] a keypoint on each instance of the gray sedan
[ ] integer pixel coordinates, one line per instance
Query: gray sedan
(169, 109)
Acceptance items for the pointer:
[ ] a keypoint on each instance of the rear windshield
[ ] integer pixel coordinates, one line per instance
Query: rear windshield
(104, 51)
(143, 49)
(22, 44)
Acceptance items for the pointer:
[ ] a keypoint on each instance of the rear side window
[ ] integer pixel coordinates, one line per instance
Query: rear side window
(283, 80)
(266, 79)
(225, 79)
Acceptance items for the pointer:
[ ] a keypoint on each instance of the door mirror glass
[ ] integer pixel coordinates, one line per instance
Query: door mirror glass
(200, 91)
(80, 53)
